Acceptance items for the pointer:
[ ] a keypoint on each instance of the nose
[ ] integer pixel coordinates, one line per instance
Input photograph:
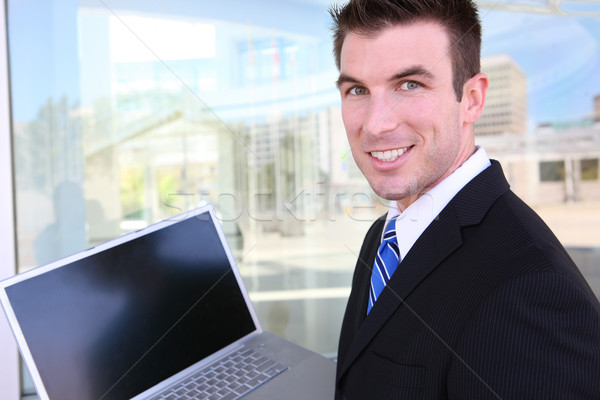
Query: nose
(381, 115)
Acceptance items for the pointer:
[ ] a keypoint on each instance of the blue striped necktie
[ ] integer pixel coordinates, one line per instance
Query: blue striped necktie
(386, 262)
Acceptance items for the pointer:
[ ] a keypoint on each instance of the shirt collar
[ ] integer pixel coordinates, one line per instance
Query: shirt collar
(416, 218)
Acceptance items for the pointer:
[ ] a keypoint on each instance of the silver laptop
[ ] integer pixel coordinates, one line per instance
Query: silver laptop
(161, 313)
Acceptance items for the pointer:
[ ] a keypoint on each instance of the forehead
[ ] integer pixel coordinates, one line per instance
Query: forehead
(403, 46)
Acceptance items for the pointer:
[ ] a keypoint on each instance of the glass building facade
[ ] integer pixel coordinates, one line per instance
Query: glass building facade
(117, 114)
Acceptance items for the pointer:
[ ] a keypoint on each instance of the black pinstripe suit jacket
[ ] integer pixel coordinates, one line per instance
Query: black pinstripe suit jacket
(486, 305)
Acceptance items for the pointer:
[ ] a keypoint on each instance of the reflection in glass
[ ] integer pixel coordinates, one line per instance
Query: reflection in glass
(125, 113)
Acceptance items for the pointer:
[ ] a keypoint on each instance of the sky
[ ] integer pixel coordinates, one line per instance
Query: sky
(559, 55)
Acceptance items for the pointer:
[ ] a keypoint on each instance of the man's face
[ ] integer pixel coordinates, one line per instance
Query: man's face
(402, 118)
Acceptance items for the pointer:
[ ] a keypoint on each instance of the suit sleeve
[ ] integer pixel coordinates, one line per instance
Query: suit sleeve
(535, 337)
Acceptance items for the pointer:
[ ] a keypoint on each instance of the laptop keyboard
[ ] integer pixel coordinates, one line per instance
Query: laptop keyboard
(229, 378)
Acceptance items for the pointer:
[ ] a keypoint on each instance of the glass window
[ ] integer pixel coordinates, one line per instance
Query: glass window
(125, 113)
(552, 171)
(589, 169)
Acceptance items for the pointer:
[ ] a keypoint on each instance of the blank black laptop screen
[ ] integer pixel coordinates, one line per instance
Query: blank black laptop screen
(114, 324)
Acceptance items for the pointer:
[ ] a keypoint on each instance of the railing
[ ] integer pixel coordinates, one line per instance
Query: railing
(550, 7)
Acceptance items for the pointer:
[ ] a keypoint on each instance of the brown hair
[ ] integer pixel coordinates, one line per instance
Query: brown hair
(458, 17)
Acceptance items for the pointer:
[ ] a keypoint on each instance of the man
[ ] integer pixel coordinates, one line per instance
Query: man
(485, 303)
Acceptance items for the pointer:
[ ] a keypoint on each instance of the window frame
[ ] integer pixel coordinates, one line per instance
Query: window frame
(9, 362)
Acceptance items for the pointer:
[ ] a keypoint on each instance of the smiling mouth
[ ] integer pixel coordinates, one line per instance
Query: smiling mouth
(389, 155)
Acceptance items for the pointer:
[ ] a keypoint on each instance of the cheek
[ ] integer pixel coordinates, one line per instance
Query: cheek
(418, 118)
(352, 121)
(421, 111)
(446, 140)
(435, 122)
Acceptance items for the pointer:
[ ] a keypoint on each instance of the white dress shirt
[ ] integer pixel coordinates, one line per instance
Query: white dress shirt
(416, 218)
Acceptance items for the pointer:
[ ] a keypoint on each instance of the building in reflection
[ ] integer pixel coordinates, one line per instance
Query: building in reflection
(506, 101)
(557, 163)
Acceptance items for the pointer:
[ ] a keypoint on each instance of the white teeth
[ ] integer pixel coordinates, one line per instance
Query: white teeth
(389, 155)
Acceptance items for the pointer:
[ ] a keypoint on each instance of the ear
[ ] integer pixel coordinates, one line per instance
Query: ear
(473, 100)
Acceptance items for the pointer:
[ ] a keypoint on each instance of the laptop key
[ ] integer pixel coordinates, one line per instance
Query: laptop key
(230, 396)
(226, 379)
(260, 360)
(221, 384)
(202, 387)
(211, 390)
(265, 365)
(242, 390)
(274, 370)
(255, 382)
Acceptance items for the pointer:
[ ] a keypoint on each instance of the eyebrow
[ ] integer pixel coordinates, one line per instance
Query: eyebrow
(416, 70)
(345, 79)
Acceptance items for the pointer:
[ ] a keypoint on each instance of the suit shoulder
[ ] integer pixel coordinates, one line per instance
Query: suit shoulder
(513, 221)
(517, 237)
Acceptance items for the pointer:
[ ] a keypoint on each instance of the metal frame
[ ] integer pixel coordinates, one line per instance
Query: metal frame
(549, 7)
(9, 362)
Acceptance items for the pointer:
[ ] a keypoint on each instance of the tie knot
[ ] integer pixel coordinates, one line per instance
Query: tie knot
(390, 231)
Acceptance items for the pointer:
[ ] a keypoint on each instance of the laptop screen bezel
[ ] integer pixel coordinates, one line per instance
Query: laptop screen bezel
(195, 213)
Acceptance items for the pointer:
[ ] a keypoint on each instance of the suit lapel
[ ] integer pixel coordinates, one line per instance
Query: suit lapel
(429, 251)
(440, 239)
(357, 303)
